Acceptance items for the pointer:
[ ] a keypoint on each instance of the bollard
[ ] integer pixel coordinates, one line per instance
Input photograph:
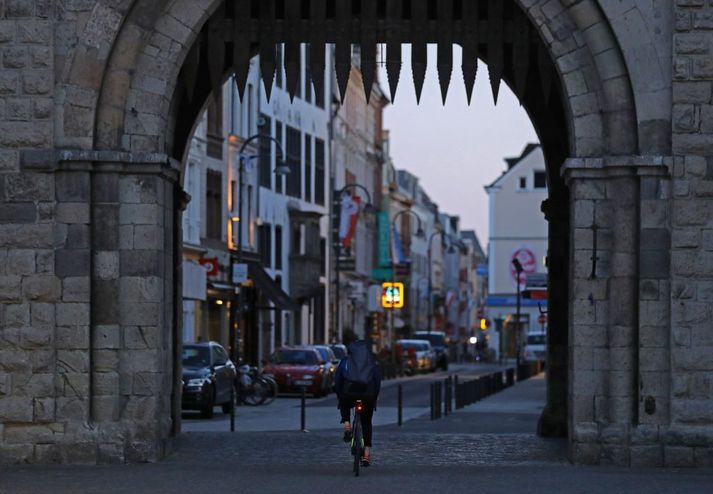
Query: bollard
(438, 400)
(433, 396)
(447, 395)
(456, 390)
(232, 408)
(303, 411)
(511, 377)
(400, 405)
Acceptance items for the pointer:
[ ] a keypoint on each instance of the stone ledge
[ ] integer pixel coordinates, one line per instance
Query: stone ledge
(104, 161)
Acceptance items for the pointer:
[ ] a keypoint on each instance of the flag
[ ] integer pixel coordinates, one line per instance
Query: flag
(397, 250)
(348, 219)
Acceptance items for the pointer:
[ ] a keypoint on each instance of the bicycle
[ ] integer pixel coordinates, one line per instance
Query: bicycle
(357, 437)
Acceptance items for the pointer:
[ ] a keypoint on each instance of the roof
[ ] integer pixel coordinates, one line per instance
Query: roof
(513, 162)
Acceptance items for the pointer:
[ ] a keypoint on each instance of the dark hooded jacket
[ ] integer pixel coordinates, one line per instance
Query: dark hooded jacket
(361, 355)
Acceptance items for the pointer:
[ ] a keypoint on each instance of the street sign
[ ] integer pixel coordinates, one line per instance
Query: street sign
(240, 273)
(542, 319)
(210, 264)
(392, 296)
(347, 264)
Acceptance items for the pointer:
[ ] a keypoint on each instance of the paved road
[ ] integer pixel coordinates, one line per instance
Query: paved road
(451, 455)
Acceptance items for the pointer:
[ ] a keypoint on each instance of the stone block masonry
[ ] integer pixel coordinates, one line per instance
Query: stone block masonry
(89, 227)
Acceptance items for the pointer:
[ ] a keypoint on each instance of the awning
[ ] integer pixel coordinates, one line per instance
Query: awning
(270, 288)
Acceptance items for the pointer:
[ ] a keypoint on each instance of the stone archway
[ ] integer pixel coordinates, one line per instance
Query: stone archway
(111, 176)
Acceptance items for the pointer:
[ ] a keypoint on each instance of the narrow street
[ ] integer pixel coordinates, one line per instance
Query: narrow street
(489, 447)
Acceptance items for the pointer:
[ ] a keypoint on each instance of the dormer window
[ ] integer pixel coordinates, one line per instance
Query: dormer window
(522, 183)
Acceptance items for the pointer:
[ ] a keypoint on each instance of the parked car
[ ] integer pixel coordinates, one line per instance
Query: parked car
(208, 375)
(439, 342)
(418, 355)
(330, 362)
(294, 368)
(535, 348)
(340, 351)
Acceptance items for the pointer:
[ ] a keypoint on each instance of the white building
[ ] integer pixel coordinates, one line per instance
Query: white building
(518, 229)
(284, 219)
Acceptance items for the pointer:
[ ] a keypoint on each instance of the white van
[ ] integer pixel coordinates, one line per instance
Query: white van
(536, 346)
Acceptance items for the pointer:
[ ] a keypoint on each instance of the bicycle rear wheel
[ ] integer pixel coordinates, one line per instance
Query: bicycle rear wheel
(358, 442)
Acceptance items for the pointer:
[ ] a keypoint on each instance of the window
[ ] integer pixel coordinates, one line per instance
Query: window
(540, 179)
(280, 183)
(294, 154)
(251, 223)
(233, 196)
(319, 178)
(279, 65)
(308, 168)
(265, 245)
(214, 203)
(214, 130)
(522, 184)
(249, 96)
(323, 255)
(278, 247)
(319, 95)
(265, 171)
(308, 75)
(296, 248)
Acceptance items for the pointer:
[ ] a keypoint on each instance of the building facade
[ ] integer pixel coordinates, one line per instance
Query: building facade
(518, 230)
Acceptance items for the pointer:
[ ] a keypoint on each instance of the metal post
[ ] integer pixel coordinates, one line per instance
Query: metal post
(430, 285)
(400, 405)
(232, 408)
(447, 397)
(303, 411)
(517, 323)
(433, 398)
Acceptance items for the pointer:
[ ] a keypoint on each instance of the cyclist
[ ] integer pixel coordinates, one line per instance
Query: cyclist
(358, 378)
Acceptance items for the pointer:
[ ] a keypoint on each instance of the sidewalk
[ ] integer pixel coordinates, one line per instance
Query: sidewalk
(284, 413)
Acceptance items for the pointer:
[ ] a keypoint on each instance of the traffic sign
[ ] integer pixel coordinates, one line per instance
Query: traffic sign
(392, 295)
(240, 273)
(542, 319)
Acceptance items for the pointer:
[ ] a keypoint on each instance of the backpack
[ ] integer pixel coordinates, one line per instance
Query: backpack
(359, 378)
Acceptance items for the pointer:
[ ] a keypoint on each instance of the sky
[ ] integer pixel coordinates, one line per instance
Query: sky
(455, 149)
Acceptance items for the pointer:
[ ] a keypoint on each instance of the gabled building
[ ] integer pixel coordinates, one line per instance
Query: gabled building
(518, 230)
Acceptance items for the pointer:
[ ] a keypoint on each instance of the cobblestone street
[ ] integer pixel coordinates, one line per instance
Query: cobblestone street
(421, 457)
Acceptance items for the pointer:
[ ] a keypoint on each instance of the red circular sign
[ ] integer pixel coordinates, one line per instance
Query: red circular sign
(529, 264)
(542, 319)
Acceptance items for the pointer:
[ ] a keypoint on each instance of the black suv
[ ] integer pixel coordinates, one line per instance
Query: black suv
(208, 375)
(439, 344)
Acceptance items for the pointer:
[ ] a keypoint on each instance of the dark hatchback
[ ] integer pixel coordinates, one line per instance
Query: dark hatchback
(439, 343)
(208, 375)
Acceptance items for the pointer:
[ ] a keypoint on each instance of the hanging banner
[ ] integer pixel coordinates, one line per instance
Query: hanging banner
(348, 219)
(384, 240)
(397, 250)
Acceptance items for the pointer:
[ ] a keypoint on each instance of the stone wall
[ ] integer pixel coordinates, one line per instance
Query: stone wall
(690, 439)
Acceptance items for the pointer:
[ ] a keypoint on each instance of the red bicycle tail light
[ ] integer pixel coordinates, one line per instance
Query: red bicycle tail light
(360, 407)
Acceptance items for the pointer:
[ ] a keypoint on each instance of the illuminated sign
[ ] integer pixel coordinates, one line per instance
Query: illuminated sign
(392, 295)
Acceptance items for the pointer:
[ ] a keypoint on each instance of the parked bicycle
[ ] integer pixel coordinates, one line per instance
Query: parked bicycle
(255, 388)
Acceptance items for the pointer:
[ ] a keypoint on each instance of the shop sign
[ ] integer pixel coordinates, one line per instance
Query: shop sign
(210, 264)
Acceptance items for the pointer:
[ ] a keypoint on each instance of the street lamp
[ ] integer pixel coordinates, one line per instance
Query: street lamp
(518, 269)
(280, 170)
(367, 208)
(451, 250)
(419, 233)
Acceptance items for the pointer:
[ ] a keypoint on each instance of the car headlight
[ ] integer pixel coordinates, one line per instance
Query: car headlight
(199, 381)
